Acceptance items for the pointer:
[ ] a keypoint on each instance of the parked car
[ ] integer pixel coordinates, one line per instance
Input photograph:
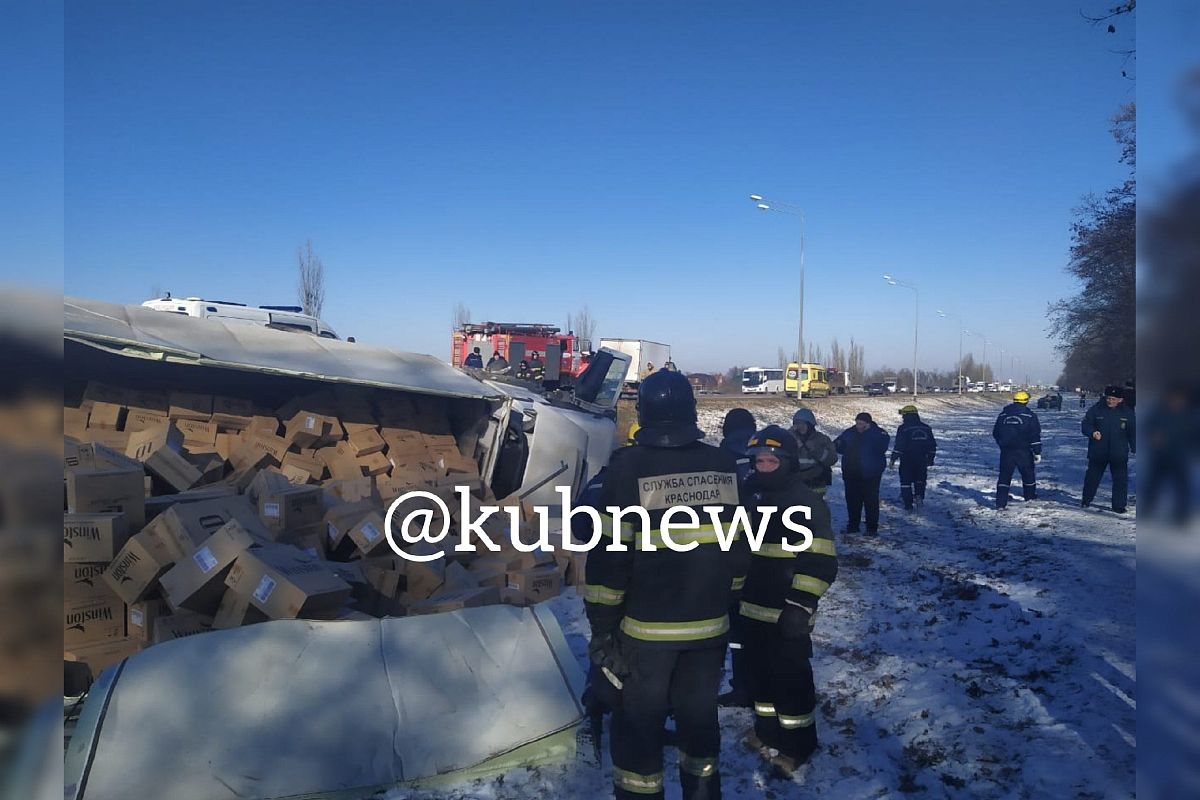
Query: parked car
(877, 389)
(857, 389)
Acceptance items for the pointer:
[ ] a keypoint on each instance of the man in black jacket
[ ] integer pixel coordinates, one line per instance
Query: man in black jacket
(1019, 434)
(779, 603)
(1111, 430)
(915, 448)
(864, 450)
(660, 617)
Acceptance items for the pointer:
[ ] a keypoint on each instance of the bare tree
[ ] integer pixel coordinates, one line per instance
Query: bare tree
(460, 316)
(583, 324)
(856, 363)
(837, 356)
(311, 283)
(781, 357)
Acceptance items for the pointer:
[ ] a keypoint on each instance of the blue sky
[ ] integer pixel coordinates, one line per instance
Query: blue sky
(527, 158)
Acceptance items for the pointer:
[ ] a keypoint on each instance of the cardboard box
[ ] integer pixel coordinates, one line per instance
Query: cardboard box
(197, 435)
(341, 461)
(185, 526)
(312, 468)
(134, 573)
(92, 491)
(94, 455)
(197, 583)
(366, 441)
(161, 450)
(210, 465)
(117, 440)
(402, 442)
(489, 572)
(309, 428)
(106, 415)
(232, 412)
(374, 464)
(85, 582)
(143, 419)
(99, 657)
(340, 519)
(353, 491)
(284, 583)
(453, 601)
(75, 421)
(140, 617)
(538, 584)
(179, 626)
(457, 578)
(93, 537)
(93, 618)
(259, 450)
(284, 510)
(368, 534)
(225, 444)
(159, 504)
(265, 424)
(423, 578)
(235, 611)
(266, 481)
(188, 405)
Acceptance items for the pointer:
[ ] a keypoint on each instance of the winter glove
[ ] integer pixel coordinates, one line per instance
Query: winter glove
(794, 621)
(605, 651)
(1037, 459)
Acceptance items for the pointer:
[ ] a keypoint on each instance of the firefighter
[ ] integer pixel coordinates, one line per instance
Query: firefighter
(816, 455)
(1111, 429)
(1019, 435)
(736, 430)
(474, 359)
(659, 618)
(536, 368)
(915, 449)
(523, 372)
(779, 604)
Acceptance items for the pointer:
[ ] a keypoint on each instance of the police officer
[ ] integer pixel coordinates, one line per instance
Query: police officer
(659, 617)
(915, 448)
(816, 453)
(779, 603)
(474, 359)
(1019, 435)
(1111, 431)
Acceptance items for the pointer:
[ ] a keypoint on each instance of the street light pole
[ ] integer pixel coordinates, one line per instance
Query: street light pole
(916, 323)
(795, 211)
(958, 376)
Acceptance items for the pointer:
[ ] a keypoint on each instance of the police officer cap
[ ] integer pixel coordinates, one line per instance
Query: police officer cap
(1113, 391)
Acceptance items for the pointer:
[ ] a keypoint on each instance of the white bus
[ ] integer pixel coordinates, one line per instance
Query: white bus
(762, 380)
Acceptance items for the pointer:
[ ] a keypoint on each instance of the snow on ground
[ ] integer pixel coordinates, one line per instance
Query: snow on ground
(966, 652)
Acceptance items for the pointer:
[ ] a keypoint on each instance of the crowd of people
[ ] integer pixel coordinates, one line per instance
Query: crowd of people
(661, 619)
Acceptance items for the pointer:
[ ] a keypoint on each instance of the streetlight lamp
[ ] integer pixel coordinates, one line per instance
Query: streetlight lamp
(793, 211)
(958, 376)
(916, 322)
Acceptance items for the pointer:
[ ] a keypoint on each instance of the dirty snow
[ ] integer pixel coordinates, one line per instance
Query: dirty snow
(966, 652)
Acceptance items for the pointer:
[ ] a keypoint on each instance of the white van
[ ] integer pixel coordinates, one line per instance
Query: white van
(288, 318)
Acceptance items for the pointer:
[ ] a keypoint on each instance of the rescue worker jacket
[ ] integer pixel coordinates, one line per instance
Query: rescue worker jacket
(915, 441)
(1017, 428)
(816, 457)
(736, 443)
(661, 597)
(777, 576)
(1118, 432)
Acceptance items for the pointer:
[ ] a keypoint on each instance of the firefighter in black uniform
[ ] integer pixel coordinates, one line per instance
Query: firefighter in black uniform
(659, 617)
(915, 448)
(779, 603)
(1019, 435)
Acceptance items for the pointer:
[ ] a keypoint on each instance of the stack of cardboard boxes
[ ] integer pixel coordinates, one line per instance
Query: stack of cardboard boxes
(189, 512)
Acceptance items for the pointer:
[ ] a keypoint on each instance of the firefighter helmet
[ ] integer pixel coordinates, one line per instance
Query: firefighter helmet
(908, 409)
(631, 438)
(1021, 396)
(667, 411)
(777, 441)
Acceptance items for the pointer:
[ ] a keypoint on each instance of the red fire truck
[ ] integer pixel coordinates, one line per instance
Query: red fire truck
(520, 340)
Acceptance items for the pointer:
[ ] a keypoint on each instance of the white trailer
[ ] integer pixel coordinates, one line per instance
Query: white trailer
(645, 357)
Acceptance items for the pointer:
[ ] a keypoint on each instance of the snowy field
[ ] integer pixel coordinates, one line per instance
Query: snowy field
(966, 652)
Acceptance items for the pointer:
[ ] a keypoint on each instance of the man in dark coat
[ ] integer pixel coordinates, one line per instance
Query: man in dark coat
(474, 360)
(1111, 430)
(863, 448)
(816, 455)
(1019, 434)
